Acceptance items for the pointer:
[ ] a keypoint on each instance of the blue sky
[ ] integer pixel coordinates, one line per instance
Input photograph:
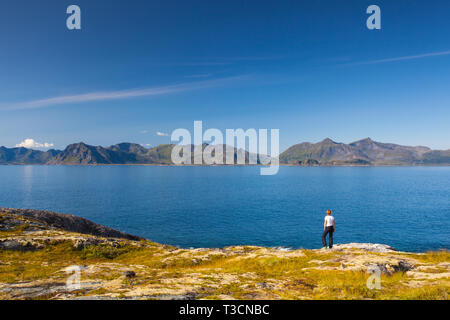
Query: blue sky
(310, 68)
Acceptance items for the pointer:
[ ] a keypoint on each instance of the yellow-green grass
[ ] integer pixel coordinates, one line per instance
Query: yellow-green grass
(253, 272)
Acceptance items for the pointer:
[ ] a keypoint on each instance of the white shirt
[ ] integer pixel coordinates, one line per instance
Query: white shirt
(329, 220)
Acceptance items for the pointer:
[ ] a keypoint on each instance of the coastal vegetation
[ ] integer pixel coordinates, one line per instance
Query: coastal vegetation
(37, 248)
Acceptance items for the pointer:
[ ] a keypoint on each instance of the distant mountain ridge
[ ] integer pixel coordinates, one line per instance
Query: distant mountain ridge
(84, 154)
(362, 152)
(122, 153)
(326, 152)
(25, 156)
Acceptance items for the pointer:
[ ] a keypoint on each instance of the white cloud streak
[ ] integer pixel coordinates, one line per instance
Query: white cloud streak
(31, 143)
(419, 56)
(115, 95)
(162, 134)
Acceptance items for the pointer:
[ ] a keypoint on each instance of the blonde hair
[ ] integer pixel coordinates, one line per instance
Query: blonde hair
(328, 211)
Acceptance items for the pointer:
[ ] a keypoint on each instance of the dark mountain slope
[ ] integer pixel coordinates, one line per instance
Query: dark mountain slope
(436, 157)
(81, 153)
(389, 153)
(25, 156)
(323, 152)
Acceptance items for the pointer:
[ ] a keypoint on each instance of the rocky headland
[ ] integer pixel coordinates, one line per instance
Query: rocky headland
(41, 250)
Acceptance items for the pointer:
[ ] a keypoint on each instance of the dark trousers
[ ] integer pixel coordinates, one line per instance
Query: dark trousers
(328, 230)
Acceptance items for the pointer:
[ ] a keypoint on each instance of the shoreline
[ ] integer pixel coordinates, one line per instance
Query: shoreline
(234, 165)
(74, 223)
(39, 251)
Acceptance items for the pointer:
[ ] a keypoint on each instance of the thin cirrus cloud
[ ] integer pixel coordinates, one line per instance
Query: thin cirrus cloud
(225, 61)
(121, 94)
(413, 57)
(31, 143)
(162, 134)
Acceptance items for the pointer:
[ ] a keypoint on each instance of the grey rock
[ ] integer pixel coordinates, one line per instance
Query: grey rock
(129, 274)
(69, 222)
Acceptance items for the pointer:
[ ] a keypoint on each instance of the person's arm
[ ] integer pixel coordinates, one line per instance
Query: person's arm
(334, 225)
(325, 224)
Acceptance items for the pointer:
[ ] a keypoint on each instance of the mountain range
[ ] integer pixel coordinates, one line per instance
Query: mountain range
(83, 154)
(326, 152)
(362, 152)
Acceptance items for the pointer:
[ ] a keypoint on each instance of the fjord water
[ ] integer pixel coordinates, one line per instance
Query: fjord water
(405, 207)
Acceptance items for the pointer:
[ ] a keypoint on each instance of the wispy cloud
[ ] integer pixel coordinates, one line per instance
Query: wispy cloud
(200, 75)
(419, 56)
(199, 64)
(225, 61)
(162, 134)
(31, 143)
(121, 94)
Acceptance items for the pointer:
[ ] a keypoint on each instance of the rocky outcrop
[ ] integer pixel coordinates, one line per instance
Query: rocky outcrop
(41, 219)
(372, 247)
(113, 265)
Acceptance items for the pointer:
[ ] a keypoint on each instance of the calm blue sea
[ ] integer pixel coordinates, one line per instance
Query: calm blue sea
(406, 207)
